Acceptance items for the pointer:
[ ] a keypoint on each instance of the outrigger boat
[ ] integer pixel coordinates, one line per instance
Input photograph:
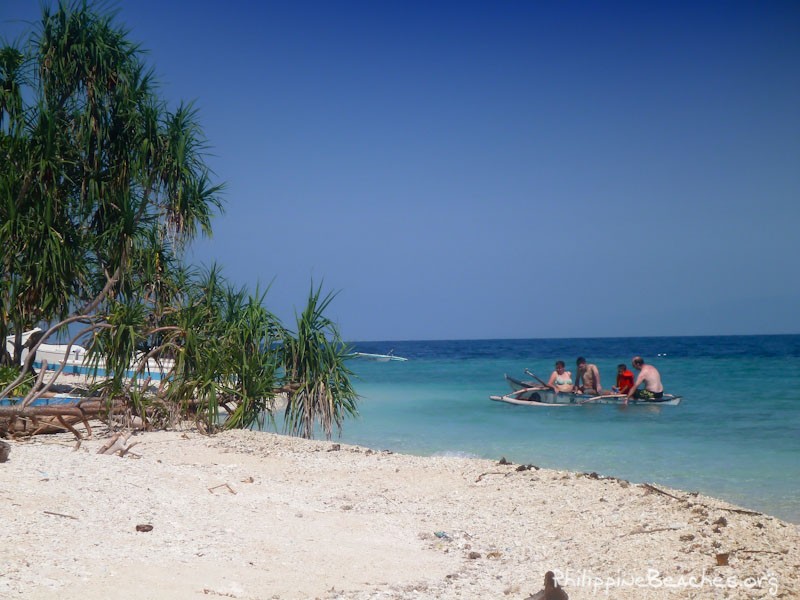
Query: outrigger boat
(378, 357)
(531, 393)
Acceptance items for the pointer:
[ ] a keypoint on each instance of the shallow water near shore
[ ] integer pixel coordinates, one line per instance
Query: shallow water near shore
(736, 435)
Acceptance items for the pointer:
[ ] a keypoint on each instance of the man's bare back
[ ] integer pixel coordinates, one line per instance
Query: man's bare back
(649, 376)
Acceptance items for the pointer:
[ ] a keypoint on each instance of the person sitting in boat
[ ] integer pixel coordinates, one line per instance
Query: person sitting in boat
(560, 379)
(650, 377)
(588, 379)
(624, 380)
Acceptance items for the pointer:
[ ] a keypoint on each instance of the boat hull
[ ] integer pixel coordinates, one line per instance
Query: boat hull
(530, 394)
(378, 357)
(75, 361)
(547, 397)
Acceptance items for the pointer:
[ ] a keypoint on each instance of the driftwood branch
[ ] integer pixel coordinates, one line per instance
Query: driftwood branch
(639, 531)
(225, 485)
(55, 514)
(482, 475)
(740, 511)
(653, 488)
(128, 449)
(117, 443)
(68, 426)
(80, 409)
(33, 420)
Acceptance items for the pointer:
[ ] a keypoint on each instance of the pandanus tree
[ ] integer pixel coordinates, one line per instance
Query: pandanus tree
(98, 177)
(101, 188)
(232, 356)
(224, 345)
(314, 359)
(41, 259)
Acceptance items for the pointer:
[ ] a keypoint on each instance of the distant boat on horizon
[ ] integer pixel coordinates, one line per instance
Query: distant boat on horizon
(378, 357)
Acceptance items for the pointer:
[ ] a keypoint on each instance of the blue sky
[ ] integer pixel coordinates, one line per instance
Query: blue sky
(497, 169)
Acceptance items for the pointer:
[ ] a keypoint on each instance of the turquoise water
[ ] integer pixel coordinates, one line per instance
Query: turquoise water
(736, 434)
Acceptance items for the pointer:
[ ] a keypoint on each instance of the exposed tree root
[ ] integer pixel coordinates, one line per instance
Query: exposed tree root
(19, 421)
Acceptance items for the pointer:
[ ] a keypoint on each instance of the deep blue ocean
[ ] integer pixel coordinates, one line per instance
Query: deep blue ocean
(736, 435)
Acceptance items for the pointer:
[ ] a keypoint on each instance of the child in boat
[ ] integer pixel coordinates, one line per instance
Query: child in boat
(624, 380)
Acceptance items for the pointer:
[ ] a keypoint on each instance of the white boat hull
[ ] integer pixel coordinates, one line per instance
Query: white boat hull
(76, 362)
(529, 394)
(550, 398)
(378, 357)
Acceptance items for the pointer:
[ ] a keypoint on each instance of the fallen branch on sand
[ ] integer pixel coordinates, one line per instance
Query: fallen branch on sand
(743, 551)
(225, 485)
(740, 511)
(642, 530)
(482, 475)
(33, 420)
(55, 514)
(117, 443)
(653, 488)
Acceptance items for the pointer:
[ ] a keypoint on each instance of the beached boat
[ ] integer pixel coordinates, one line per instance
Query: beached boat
(54, 354)
(24, 340)
(530, 393)
(50, 400)
(378, 357)
(75, 360)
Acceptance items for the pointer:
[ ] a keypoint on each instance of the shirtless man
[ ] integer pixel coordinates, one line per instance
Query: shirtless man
(650, 377)
(588, 379)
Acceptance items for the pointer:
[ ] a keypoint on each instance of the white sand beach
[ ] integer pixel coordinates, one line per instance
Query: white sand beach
(254, 515)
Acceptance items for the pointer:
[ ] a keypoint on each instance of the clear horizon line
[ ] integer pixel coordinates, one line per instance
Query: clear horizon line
(587, 337)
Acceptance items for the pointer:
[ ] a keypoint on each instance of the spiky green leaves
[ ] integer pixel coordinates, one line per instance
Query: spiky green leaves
(314, 358)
